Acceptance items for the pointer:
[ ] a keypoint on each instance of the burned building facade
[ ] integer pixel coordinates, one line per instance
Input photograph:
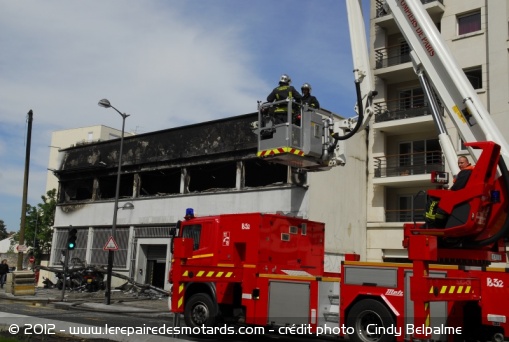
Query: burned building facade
(211, 167)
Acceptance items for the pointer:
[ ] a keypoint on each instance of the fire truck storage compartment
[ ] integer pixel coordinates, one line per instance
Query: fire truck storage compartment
(328, 304)
(377, 276)
(288, 303)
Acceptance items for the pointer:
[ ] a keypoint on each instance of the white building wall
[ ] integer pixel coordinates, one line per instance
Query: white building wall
(171, 209)
(338, 198)
(5, 245)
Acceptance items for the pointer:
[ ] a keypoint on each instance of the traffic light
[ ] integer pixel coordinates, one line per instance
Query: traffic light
(71, 239)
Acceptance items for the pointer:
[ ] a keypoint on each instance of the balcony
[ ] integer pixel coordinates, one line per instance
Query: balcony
(405, 215)
(407, 164)
(392, 55)
(393, 63)
(384, 19)
(401, 108)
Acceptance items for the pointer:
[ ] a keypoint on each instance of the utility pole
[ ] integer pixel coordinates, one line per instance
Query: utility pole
(19, 266)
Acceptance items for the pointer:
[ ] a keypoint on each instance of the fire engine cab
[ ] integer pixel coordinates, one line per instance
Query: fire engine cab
(253, 268)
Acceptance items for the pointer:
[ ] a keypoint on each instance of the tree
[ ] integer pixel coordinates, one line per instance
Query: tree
(39, 224)
(3, 230)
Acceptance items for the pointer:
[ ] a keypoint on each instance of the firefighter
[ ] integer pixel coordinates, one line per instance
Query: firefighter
(460, 180)
(282, 92)
(307, 98)
(435, 217)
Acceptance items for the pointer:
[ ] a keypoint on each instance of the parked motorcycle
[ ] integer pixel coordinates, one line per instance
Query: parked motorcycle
(93, 280)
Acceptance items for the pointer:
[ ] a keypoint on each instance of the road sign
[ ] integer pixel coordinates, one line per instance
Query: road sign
(21, 248)
(31, 259)
(111, 245)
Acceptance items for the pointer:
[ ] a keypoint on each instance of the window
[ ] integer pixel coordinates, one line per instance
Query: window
(411, 208)
(474, 75)
(411, 98)
(419, 157)
(462, 146)
(193, 232)
(404, 51)
(470, 22)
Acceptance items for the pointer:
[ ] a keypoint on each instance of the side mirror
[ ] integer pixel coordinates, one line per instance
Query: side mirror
(174, 230)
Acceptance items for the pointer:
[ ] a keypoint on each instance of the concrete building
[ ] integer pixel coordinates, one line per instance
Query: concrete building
(404, 148)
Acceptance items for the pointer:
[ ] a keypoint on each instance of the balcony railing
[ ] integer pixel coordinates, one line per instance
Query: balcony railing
(380, 10)
(402, 108)
(406, 215)
(392, 55)
(409, 164)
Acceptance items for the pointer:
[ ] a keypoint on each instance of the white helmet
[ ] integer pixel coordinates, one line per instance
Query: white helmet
(285, 79)
(306, 86)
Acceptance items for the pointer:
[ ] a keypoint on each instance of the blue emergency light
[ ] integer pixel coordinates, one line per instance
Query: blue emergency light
(189, 213)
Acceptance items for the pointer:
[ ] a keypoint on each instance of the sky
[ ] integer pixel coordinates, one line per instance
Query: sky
(166, 63)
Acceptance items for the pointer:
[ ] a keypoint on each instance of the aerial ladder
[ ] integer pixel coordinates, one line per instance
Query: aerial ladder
(478, 220)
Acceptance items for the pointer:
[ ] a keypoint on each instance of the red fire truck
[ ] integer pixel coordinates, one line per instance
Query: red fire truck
(252, 268)
(267, 270)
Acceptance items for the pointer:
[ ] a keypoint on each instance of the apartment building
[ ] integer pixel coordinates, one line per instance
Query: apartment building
(404, 147)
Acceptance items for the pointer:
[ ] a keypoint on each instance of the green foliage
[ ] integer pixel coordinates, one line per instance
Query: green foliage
(3, 230)
(39, 225)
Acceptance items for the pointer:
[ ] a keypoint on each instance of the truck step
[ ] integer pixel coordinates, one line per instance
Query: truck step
(332, 317)
(334, 299)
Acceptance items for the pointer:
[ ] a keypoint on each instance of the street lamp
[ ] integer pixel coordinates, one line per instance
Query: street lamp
(106, 104)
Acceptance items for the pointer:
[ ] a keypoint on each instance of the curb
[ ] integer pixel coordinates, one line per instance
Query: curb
(81, 304)
(98, 307)
(27, 298)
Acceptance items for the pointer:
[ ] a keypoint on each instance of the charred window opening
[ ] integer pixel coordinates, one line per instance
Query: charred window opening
(107, 186)
(212, 176)
(160, 182)
(77, 190)
(169, 181)
(261, 173)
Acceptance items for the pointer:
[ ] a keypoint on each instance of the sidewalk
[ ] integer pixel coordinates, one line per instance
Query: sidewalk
(120, 301)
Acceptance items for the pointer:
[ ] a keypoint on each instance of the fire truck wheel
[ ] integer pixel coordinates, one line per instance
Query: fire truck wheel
(373, 313)
(200, 310)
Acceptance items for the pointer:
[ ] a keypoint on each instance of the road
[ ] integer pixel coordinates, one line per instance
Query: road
(46, 320)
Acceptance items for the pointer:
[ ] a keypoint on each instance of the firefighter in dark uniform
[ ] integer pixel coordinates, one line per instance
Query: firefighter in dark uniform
(282, 92)
(307, 98)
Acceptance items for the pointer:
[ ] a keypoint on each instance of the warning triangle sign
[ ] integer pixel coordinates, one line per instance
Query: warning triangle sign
(111, 245)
